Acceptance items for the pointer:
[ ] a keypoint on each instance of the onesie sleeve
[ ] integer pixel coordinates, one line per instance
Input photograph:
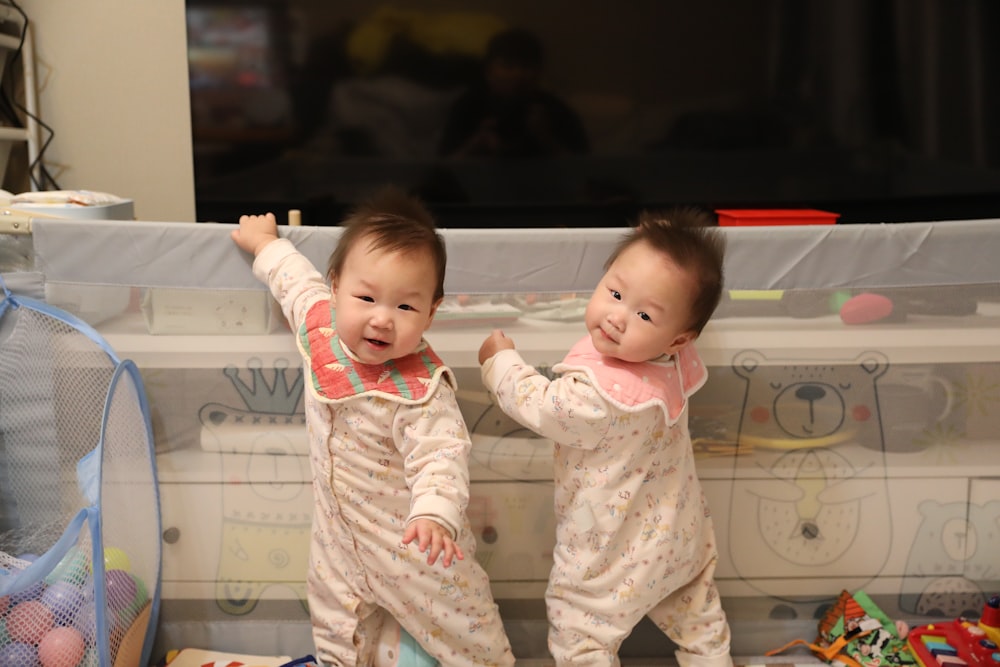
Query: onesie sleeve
(292, 279)
(567, 410)
(434, 442)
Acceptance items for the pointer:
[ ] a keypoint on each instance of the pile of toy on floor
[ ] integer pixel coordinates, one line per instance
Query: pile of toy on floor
(854, 632)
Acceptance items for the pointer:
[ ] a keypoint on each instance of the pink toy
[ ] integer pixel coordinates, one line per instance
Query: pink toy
(61, 647)
(865, 308)
(28, 622)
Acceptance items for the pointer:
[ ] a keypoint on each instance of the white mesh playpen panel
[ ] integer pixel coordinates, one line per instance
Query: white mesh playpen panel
(79, 507)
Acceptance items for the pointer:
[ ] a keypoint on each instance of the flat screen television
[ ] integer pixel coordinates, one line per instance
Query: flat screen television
(881, 112)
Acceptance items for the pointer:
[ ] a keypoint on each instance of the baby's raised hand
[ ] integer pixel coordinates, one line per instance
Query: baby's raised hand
(434, 539)
(255, 232)
(494, 343)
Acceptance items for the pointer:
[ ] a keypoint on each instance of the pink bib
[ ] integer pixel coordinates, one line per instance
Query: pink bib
(637, 386)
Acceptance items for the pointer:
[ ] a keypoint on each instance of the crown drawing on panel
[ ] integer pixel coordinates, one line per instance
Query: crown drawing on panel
(276, 397)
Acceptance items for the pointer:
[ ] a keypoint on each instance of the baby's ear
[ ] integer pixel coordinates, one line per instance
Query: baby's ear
(680, 340)
(434, 308)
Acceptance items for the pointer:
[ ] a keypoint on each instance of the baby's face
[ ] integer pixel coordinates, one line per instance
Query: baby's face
(641, 309)
(384, 302)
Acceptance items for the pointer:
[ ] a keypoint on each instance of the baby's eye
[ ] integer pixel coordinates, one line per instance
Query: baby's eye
(406, 306)
(367, 298)
(616, 294)
(645, 316)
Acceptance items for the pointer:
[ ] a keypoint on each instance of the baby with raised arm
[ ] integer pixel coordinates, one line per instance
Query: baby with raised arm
(634, 535)
(388, 446)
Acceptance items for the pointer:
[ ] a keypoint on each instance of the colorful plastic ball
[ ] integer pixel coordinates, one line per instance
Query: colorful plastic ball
(73, 568)
(141, 593)
(61, 647)
(141, 597)
(18, 654)
(116, 559)
(86, 622)
(120, 589)
(4, 603)
(29, 621)
(90, 658)
(4, 637)
(32, 592)
(65, 600)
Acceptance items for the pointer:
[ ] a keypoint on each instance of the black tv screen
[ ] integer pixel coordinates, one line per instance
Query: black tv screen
(526, 113)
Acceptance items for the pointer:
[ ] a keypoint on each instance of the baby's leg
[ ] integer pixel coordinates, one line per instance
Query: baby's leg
(396, 648)
(693, 618)
(449, 611)
(584, 628)
(337, 630)
(346, 622)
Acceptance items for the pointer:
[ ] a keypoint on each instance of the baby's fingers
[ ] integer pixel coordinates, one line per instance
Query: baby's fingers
(451, 552)
(433, 548)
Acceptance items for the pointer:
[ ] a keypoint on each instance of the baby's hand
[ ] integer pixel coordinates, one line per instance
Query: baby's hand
(434, 539)
(255, 232)
(494, 343)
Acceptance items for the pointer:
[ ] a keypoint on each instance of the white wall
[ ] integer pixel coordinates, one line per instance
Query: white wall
(113, 84)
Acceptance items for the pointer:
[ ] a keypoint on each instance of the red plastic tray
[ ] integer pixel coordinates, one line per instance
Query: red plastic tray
(731, 217)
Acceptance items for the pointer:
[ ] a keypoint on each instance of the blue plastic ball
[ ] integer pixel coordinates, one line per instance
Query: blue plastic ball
(65, 600)
(19, 654)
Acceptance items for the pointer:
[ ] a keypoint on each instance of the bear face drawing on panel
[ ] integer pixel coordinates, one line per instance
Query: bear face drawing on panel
(809, 404)
(817, 505)
(952, 558)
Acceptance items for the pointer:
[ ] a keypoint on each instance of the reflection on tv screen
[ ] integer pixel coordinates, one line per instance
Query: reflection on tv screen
(576, 114)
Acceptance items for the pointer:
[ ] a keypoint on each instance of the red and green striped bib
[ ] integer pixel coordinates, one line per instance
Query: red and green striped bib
(335, 376)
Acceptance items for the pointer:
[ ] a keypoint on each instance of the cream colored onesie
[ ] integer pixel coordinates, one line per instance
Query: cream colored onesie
(387, 444)
(633, 534)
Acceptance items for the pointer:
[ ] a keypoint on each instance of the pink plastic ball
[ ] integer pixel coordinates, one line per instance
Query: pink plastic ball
(61, 647)
(4, 603)
(86, 622)
(28, 622)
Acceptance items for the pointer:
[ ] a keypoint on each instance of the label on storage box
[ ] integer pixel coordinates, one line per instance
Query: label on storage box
(200, 311)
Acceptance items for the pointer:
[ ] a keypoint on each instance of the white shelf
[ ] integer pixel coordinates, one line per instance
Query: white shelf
(130, 339)
(971, 339)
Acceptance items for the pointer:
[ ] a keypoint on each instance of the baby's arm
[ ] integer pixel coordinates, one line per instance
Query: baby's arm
(255, 232)
(434, 441)
(568, 409)
(293, 280)
(434, 539)
(495, 342)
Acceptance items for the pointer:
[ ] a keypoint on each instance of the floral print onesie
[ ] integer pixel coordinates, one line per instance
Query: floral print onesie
(387, 445)
(633, 535)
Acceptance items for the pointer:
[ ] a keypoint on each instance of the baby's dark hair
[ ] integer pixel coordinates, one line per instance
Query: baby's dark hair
(685, 235)
(392, 221)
